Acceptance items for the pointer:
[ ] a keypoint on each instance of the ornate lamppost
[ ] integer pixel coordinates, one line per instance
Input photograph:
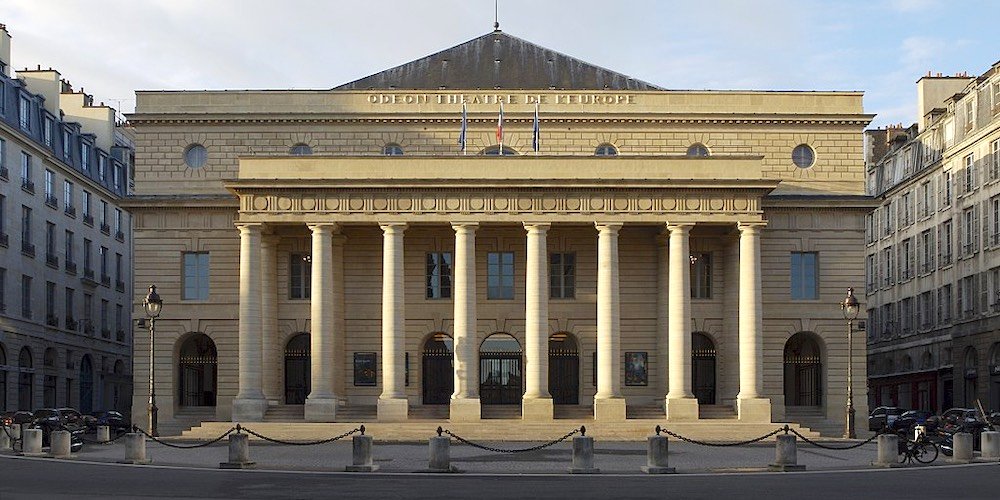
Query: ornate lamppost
(850, 308)
(153, 304)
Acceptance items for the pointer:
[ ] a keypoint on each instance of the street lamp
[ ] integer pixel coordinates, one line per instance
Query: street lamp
(153, 304)
(850, 308)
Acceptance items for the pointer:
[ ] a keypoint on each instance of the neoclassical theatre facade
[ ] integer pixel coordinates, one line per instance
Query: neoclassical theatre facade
(335, 255)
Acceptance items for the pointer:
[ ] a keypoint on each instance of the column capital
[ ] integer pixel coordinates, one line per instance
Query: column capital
(750, 227)
(680, 226)
(319, 227)
(250, 227)
(608, 226)
(465, 226)
(537, 227)
(392, 227)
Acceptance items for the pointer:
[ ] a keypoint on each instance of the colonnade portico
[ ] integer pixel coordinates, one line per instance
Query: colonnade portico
(609, 403)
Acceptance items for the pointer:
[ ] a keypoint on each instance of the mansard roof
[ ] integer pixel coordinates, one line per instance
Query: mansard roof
(497, 60)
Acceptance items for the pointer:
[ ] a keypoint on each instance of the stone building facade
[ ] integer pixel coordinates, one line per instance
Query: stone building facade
(332, 255)
(933, 269)
(65, 246)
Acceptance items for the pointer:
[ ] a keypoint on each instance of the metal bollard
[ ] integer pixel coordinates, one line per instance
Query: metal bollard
(656, 455)
(440, 453)
(786, 455)
(239, 452)
(362, 454)
(583, 454)
(888, 451)
(103, 434)
(59, 444)
(991, 446)
(962, 448)
(31, 446)
(135, 449)
(5, 441)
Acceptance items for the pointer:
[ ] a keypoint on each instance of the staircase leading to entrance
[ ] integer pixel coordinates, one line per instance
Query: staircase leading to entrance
(285, 413)
(814, 418)
(717, 412)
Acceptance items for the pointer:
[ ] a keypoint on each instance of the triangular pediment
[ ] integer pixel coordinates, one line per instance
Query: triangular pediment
(497, 60)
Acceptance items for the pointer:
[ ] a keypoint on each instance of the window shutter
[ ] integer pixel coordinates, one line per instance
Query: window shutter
(984, 210)
(958, 297)
(959, 231)
(930, 252)
(959, 184)
(975, 229)
(920, 201)
(931, 198)
(984, 295)
(939, 181)
(940, 246)
(920, 255)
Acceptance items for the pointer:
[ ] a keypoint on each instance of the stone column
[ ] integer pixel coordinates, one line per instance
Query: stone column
(250, 405)
(609, 404)
(749, 403)
(321, 404)
(340, 363)
(272, 348)
(537, 402)
(465, 405)
(392, 405)
(662, 309)
(680, 402)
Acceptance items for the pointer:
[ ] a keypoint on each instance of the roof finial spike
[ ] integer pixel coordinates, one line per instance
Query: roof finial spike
(496, 15)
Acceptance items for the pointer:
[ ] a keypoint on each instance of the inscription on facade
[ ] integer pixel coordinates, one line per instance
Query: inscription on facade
(597, 99)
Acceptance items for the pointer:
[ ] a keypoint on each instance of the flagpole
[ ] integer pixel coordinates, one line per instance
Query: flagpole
(536, 137)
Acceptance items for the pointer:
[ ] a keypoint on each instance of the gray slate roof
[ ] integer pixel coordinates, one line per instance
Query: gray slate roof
(497, 60)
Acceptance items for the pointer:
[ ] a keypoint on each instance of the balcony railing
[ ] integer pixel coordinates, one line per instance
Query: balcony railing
(120, 285)
(120, 236)
(88, 219)
(70, 210)
(52, 320)
(88, 327)
(106, 280)
(4, 240)
(88, 274)
(71, 324)
(945, 259)
(70, 267)
(52, 260)
(105, 228)
(106, 333)
(51, 201)
(28, 186)
(27, 249)
(4, 173)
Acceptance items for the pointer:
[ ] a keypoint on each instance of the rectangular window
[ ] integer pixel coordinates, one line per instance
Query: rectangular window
(562, 278)
(3, 220)
(927, 251)
(3, 290)
(119, 233)
(994, 294)
(88, 313)
(119, 277)
(103, 256)
(67, 144)
(88, 270)
(906, 259)
(102, 169)
(968, 231)
(68, 196)
(500, 275)
(701, 276)
(887, 264)
(50, 243)
(85, 150)
(50, 185)
(25, 114)
(805, 275)
(439, 275)
(69, 248)
(946, 192)
(117, 177)
(47, 131)
(925, 201)
(970, 174)
(50, 303)
(944, 304)
(871, 272)
(105, 228)
(945, 243)
(88, 218)
(69, 309)
(25, 296)
(26, 245)
(995, 156)
(3, 158)
(119, 325)
(26, 181)
(299, 276)
(926, 305)
(105, 326)
(195, 275)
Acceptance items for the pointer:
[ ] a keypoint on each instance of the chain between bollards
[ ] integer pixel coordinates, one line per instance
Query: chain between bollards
(460, 439)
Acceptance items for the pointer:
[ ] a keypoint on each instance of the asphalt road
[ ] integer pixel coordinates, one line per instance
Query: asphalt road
(39, 478)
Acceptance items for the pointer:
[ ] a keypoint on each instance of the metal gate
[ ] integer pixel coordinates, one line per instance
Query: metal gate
(806, 380)
(703, 368)
(297, 365)
(438, 376)
(564, 377)
(500, 378)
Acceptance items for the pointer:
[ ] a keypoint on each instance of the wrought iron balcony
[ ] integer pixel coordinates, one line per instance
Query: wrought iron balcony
(52, 259)
(71, 324)
(52, 320)
(105, 228)
(51, 200)
(106, 280)
(106, 333)
(88, 219)
(4, 240)
(27, 185)
(120, 285)
(88, 327)
(27, 249)
(70, 267)
(4, 173)
(88, 275)
(120, 236)
(70, 210)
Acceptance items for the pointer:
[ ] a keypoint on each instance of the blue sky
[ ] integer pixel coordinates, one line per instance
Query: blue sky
(113, 47)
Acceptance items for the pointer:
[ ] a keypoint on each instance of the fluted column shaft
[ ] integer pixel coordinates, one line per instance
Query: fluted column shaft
(662, 309)
(751, 325)
(393, 318)
(273, 351)
(250, 313)
(608, 313)
(536, 313)
(466, 345)
(321, 313)
(679, 305)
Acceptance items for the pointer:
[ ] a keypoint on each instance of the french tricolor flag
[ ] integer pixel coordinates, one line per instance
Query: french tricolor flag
(500, 129)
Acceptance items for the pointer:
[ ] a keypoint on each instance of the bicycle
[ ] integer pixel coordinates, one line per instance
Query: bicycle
(922, 449)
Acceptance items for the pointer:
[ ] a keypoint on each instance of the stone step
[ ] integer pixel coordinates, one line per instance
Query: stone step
(501, 430)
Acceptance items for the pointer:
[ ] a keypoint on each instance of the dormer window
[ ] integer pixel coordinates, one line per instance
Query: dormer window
(67, 140)
(25, 114)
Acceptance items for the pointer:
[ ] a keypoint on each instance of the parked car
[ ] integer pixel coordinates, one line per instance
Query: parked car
(908, 419)
(56, 419)
(16, 417)
(113, 419)
(883, 417)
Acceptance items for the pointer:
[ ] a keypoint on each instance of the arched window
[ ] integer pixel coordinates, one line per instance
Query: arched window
(606, 150)
(803, 371)
(392, 149)
(803, 156)
(698, 149)
(300, 149)
(495, 151)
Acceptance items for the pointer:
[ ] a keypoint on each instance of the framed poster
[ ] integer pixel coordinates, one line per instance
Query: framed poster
(636, 372)
(364, 369)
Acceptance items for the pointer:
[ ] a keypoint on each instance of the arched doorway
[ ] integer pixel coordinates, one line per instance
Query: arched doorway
(803, 371)
(86, 385)
(297, 362)
(971, 371)
(500, 370)
(703, 368)
(25, 381)
(198, 362)
(438, 375)
(564, 369)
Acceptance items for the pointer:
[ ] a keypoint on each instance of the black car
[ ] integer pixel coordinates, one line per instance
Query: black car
(908, 419)
(883, 417)
(113, 419)
(60, 419)
(16, 417)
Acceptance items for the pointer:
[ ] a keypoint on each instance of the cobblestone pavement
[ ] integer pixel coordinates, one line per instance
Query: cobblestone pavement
(611, 457)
